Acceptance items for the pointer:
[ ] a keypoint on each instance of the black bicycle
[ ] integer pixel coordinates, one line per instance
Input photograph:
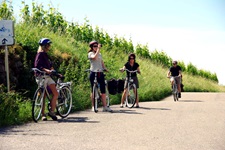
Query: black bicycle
(64, 104)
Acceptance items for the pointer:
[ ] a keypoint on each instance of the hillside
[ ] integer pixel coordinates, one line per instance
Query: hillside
(69, 56)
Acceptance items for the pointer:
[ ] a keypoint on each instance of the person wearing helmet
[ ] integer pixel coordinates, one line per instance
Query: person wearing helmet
(131, 65)
(43, 63)
(175, 71)
(97, 65)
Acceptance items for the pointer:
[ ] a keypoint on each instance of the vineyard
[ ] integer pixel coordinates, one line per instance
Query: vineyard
(69, 54)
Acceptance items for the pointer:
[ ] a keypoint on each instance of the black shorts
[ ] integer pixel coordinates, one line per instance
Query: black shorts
(100, 79)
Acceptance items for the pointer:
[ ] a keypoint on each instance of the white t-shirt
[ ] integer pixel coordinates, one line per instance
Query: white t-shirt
(96, 64)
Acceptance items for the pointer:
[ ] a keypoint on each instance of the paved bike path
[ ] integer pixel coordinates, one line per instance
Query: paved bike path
(196, 122)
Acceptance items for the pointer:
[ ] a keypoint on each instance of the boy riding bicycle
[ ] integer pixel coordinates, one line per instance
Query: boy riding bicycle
(175, 71)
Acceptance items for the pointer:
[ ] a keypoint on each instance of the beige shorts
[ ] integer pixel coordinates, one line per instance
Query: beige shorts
(178, 79)
(48, 80)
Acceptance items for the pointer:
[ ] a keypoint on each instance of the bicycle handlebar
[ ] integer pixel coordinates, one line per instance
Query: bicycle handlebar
(89, 70)
(131, 71)
(53, 72)
(173, 76)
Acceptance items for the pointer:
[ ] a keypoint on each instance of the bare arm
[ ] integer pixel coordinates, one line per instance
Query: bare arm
(122, 69)
(96, 53)
(138, 70)
(168, 74)
(180, 73)
(103, 66)
(48, 71)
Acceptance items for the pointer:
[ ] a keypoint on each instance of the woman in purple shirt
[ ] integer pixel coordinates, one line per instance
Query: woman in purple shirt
(43, 63)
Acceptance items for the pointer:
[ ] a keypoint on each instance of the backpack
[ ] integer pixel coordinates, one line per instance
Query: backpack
(112, 86)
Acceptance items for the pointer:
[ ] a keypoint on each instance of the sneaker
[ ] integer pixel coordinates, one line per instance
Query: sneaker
(52, 115)
(179, 95)
(44, 118)
(92, 109)
(107, 109)
(137, 106)
(121, 105)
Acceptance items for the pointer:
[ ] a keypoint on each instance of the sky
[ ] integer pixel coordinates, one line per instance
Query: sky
(192, 31)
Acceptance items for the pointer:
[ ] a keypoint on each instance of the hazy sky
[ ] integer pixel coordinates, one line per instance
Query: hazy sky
(187, 30)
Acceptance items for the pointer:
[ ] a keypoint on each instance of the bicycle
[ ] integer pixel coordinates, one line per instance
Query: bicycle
(175, 91)
(64, 104)
(131, 93)
(96, 94)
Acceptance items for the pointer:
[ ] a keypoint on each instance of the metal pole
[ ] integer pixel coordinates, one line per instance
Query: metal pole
(7, 67)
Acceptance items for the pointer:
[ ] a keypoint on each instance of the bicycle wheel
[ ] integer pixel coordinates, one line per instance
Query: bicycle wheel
(175, 93)
(107, 96)
(177, 96)
(37, 104)
(64, 102)
(131, 95)
(95, 97)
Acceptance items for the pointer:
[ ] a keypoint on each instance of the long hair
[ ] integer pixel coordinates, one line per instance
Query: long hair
(90, 50)
(41, 48)
(132, 54)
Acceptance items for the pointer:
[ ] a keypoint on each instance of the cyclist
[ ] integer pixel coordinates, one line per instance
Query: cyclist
(97, 65)
(43, 63)
(132, 66)
(174, 71)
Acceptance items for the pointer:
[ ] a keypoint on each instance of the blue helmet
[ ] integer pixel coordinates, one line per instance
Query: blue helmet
(44, 41)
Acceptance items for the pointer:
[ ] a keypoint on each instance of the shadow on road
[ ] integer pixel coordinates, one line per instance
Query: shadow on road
(190, 101)
(126, 111)
(77, 120)
(14, 131)
(149, 108)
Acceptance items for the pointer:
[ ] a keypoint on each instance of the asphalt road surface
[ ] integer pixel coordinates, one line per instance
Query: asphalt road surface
(195, 122)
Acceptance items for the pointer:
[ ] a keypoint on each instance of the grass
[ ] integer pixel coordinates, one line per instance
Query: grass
(154, 85)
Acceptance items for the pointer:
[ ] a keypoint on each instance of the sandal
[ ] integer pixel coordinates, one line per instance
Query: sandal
(53, 116)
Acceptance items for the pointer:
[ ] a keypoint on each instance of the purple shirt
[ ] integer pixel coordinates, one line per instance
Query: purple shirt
(42, 61)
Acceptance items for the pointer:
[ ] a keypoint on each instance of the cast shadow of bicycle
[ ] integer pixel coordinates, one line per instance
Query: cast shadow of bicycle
(126, 111)
(150, 108)
(76, 120)
(191, 101)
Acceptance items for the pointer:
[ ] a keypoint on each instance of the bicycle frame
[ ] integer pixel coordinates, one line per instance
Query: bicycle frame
(130, 84)
(64, 90)
(175, 88)
(96, 96)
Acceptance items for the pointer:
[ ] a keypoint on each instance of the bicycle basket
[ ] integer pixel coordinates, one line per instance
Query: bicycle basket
(112, 86)
(120, 85)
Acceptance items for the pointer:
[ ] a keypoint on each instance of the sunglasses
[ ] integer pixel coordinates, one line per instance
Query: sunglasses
(95, 46)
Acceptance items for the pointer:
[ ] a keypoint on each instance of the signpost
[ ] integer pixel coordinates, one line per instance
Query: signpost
(6, 38)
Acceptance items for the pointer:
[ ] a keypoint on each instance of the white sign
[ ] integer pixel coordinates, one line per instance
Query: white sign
(6, 32)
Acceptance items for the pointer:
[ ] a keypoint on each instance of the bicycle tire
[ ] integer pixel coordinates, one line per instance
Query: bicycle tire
(64, 102)
(175, 93)
(131, 96)
(107, 96)
(37, 104)
(95, 97)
